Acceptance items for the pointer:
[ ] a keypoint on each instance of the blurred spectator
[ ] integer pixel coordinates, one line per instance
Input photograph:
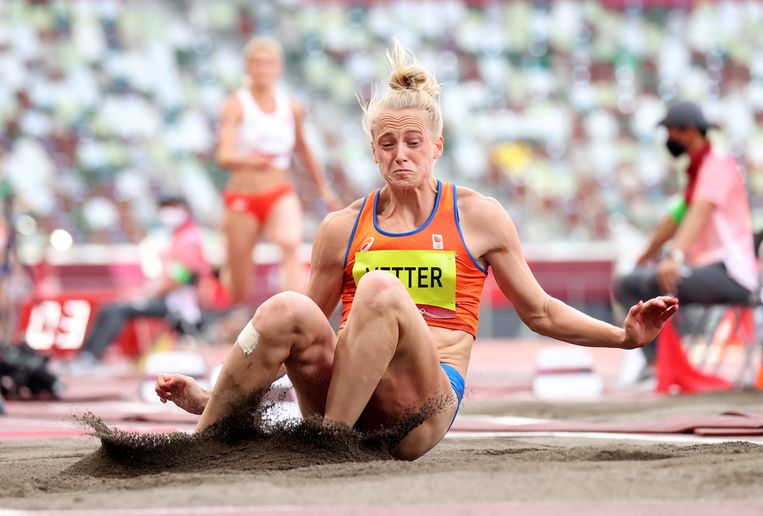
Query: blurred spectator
(14, 281)
(174, 295)
(707, 234)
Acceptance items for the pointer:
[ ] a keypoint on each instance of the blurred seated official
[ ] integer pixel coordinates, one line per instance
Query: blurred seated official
(706, 239)
(174, 295)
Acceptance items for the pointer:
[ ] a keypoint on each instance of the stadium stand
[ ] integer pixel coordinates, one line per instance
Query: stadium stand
(551, 103)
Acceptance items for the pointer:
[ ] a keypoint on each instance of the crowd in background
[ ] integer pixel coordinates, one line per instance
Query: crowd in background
(549, 106)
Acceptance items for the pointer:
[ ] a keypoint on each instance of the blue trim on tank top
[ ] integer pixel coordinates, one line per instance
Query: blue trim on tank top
(431, 215)
(354, 229)
(461, 234)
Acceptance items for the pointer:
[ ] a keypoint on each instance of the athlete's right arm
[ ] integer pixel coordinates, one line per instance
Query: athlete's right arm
(327, 260)
(227, 156)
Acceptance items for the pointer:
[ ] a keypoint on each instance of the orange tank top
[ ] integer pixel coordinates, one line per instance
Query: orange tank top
(432, 262)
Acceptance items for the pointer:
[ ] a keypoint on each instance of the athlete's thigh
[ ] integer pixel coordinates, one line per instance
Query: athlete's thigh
(241, 231)
(284, 223)
(414, 377)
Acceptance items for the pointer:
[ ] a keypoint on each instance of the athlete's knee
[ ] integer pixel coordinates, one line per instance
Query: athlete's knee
(379, 291)
(285, 313)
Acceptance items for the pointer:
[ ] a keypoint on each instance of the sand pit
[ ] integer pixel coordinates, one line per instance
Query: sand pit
(337, 469)
(457, 472)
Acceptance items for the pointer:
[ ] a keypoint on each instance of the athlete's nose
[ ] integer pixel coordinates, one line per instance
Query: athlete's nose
(400, 156)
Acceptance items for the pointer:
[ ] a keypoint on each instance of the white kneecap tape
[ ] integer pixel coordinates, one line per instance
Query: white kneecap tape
(248, 339)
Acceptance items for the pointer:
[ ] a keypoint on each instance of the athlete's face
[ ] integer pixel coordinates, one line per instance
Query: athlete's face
(263, 66)
(404, 147)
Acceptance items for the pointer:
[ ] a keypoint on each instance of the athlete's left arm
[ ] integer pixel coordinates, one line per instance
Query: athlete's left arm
(491, 232)
(309, 161)
(327, 260)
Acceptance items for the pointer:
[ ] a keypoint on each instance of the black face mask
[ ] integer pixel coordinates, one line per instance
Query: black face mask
(675, 148)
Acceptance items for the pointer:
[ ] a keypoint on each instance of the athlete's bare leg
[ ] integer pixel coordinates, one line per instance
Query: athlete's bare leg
(386, 365)
(284, 228)
(293, 332)
(241, 232)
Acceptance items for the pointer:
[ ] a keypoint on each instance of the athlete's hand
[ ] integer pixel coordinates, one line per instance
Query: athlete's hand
(645, 320)
(183, 391)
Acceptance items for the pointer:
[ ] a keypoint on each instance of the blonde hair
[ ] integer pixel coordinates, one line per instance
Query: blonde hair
(411, 87)
(263, 43)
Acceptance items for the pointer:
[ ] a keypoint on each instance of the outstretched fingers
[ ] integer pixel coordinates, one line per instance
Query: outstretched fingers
(669, 312)
(646, 319)
(635, 309)
(658, 309)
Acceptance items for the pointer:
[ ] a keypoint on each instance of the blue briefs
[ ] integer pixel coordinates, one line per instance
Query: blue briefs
(456, 382)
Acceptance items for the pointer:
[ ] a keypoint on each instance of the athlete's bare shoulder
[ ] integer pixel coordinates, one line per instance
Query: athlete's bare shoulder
(334, 231)
(472, 204)
(232, 107)
(346, 215)
(484, 221)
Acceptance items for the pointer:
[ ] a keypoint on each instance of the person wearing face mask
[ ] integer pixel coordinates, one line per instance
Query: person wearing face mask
(173, 293)
(702, 251)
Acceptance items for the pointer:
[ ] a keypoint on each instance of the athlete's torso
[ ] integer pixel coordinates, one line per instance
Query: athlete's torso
(432, 262)
(267, 133)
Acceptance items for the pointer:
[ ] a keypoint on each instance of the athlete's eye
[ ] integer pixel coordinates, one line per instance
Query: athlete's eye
(414, 143)
(387, 145)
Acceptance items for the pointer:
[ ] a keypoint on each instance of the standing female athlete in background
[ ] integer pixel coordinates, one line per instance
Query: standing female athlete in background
(260, 129)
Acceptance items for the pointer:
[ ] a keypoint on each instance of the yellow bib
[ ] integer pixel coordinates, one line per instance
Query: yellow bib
(429, 276)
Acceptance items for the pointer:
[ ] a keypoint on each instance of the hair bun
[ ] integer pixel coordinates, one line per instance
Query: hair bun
(408, 74)
(411, 87)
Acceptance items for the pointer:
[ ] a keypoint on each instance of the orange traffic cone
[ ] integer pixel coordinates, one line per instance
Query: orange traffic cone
(674, 369)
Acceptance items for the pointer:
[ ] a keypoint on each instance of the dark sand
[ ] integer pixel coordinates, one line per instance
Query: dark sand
(340, 469)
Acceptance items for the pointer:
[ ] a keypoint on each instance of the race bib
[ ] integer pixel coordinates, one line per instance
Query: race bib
(429, 276)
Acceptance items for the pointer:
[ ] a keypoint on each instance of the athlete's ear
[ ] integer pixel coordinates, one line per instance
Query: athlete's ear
(373, 151)
(438, 145)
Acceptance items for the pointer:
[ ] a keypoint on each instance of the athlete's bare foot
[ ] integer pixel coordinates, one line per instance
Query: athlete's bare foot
(183, 391)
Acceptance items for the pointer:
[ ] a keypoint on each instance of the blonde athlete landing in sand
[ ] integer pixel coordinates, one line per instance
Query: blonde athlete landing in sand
(408, 262)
